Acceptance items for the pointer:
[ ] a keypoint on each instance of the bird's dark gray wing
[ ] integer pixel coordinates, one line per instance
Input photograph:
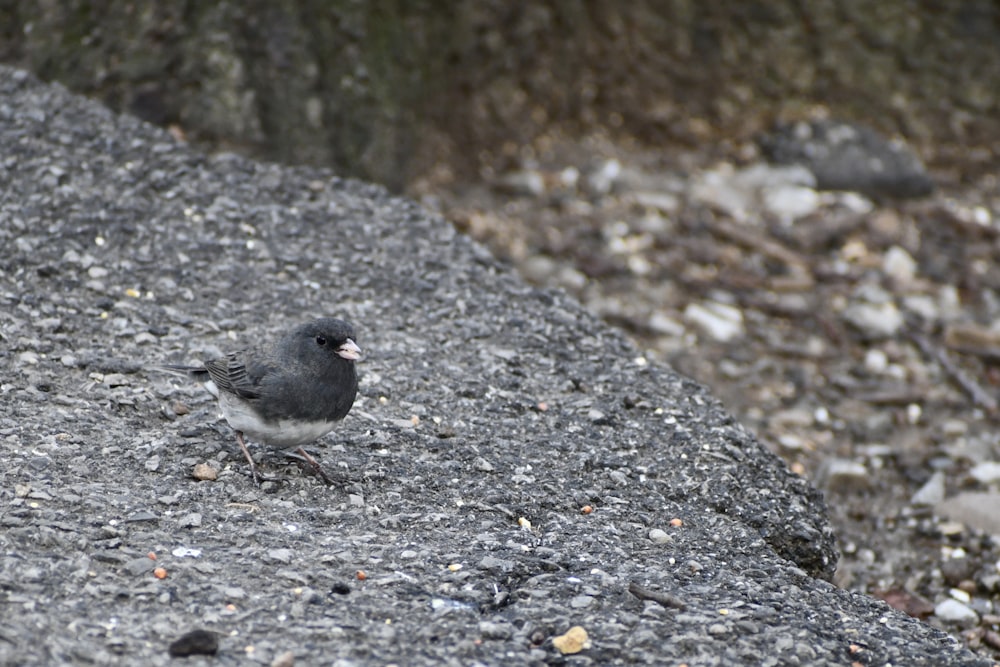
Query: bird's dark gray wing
(236, 375)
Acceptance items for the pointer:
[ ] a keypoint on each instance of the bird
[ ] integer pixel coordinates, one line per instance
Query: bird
(289, 395)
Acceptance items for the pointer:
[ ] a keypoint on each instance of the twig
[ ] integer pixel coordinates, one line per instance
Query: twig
(975, 391)
(665, 599)
(754, 239)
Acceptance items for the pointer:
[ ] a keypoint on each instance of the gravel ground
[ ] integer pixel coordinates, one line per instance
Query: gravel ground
(855, 334)
(514, 468)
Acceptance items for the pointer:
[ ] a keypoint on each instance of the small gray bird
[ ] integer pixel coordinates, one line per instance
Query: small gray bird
(290, 395)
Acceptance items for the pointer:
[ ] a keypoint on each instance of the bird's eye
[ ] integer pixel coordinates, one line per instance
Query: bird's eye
(320, 340)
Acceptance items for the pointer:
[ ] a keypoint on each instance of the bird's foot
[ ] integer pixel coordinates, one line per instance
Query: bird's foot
(313, 465)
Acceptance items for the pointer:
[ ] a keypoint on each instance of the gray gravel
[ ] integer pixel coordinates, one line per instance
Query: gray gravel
(491, 414)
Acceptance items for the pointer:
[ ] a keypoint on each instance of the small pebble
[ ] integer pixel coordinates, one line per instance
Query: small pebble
(659, 536)
(719, 321)
(844, 475)
(876, 361)
(28, 357)
(574, 641)
(875, 320)
(899, 265)
(196, 642)
(204, 472)
(139, 566)
(953, 611)
(987, 472)
(494, 630)
(281, 555)
(931, 493)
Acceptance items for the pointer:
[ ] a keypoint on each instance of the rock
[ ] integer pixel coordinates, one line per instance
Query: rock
(659, 536)
(526, 183)
(847, 156)
(195, 642)
(956, 570)
(204, 472)
(720, 321)
(844, 476)
(882, 320)
(738, 191)
(495, 630)
(281, 555)
(876, 361)
(661, 201)
(605, 177)
(987, 472)
(140, 566)
(574, 641)
(899, 265)
(931, 493)
(953, 611)
(973, 509)
(664, 324)
(790, 202)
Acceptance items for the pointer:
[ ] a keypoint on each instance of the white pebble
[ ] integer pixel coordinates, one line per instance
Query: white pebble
(953, 611)
(720, 321)
(876, 320)
(960, 595)
(876, 361)
(659, 536)
(899, 265)
(986, 472)
(28, 357)
(931, 493)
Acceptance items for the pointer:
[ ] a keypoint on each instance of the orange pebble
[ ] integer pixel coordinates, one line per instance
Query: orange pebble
(676, 523)
(586, 509)
(151, 556)
(360, 574)
(160, 573)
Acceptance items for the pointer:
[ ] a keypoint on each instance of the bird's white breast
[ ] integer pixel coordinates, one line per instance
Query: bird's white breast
(282, 432)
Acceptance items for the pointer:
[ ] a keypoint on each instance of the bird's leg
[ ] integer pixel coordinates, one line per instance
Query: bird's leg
(246, 452)
(317, 468)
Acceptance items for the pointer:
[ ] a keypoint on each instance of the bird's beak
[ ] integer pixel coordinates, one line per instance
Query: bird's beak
(349, 350)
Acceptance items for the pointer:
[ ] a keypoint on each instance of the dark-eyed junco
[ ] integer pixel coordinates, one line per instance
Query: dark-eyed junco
(289, 395)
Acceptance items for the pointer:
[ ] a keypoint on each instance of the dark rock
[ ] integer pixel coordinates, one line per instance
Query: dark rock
(195, 642)
(848, 156)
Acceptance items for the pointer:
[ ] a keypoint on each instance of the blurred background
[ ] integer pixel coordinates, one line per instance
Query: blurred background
(794, 203)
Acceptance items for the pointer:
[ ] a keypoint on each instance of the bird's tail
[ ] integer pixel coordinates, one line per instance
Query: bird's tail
(196, 372)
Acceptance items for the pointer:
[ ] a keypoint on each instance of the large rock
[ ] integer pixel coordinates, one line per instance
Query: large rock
(491, 415)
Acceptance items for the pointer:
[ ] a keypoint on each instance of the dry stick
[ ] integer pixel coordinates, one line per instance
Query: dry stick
(975, 391)
(665, 599)
(757, 239)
